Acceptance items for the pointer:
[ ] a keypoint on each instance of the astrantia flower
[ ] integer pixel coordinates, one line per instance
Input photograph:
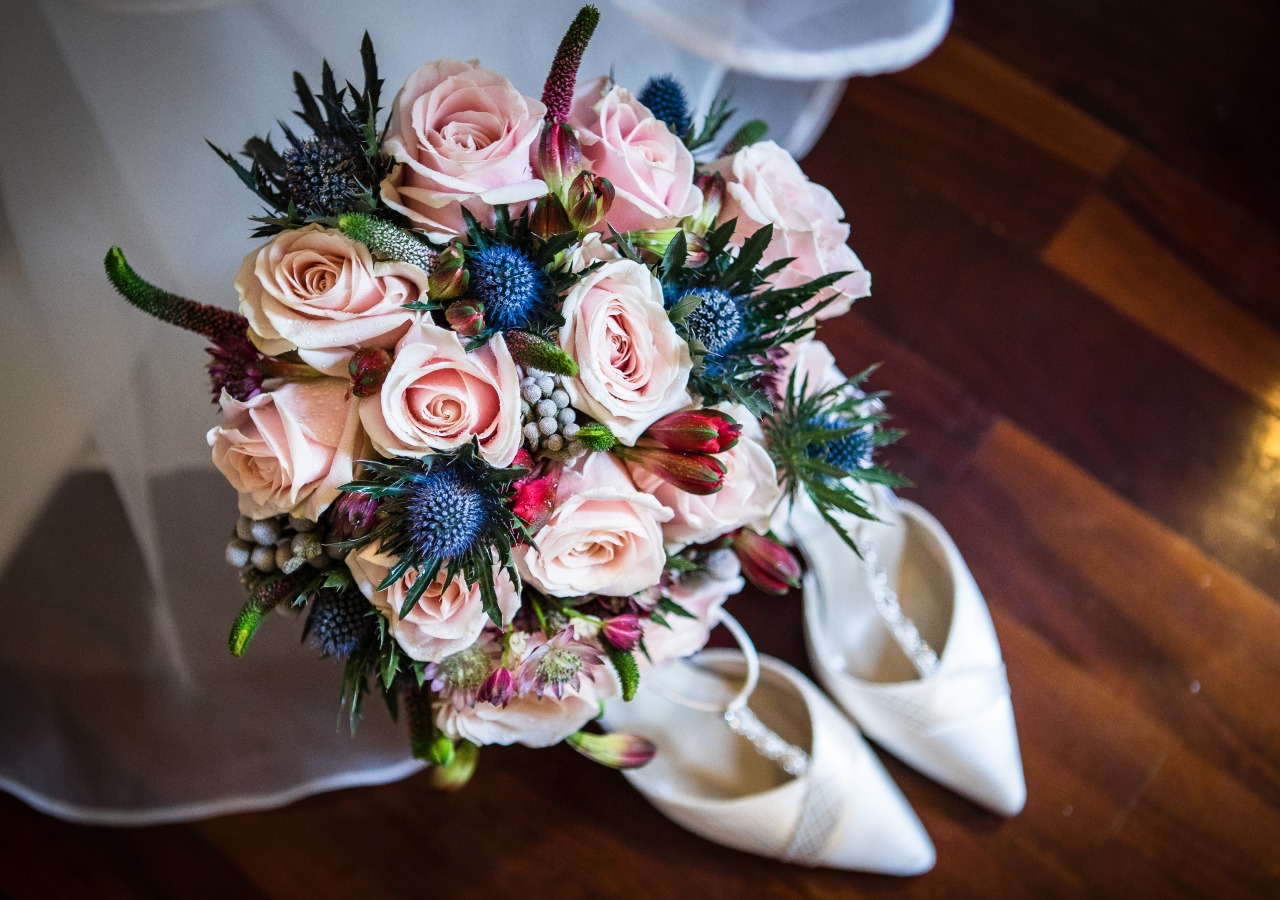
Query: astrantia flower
(236, 367)
(460, 676)
(557, 665)
(507, 282)
(340, 622)
(447, 513)
(716, 321)
(322, 175)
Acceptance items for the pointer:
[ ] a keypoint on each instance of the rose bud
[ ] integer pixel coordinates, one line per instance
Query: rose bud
(353, 515)
(449, 277)
(368, 368)
(693, 473)
(466, 317)
(549, 218)
(702, 431)
(617, 751)
(498, 688)
(535, 500)
(590, 197)
(559, 157)
(766, 563)
(622, 631)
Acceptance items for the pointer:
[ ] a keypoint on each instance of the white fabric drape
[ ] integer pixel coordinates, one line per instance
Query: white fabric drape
(121, 703)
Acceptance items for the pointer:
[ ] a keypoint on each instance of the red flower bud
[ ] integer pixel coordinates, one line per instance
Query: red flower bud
(693, 473)
(498, 688)
(449, 277)
(559, 157)
(766, 563)
(535, 500)
(702, 431)
(549, 218)
(466, 317)
(352, 516)
(622, 631)
(590, 197)
(523, 460)
(368, 368)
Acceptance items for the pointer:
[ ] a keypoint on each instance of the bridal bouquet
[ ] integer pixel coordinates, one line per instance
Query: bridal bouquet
(515, 386)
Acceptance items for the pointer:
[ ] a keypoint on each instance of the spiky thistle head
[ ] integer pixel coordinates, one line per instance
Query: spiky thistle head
(341, 622)
(447, 512)
(716, 321)
(665, 98)
(557, 93)
(851, 452)
(508, 282)
(321, 175)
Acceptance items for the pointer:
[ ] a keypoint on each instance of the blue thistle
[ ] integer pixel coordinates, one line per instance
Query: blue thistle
(322, 175)
(446, 513)
(664, 97)
(340, 622)
(850, 453)
(508, 283)
(716, 321)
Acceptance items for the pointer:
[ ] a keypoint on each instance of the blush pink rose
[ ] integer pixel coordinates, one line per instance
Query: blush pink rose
(750, 492)
(448, 618)
(462, 137)
(765, 186)
(702, 595)
(605, 537)
(633, 368)
(437, 397)
(650, 168)
(316, 291)
(288, 450)
(529, 719)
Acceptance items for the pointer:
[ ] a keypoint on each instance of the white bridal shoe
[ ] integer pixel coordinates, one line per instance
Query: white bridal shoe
(787, 777)
(902, 639)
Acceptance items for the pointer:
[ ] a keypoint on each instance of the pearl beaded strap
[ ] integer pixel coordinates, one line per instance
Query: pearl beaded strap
(885, 598)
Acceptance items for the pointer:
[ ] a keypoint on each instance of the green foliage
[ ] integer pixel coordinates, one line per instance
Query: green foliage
(712, 122)
(799, 431)
(750, 133)
(624, 663)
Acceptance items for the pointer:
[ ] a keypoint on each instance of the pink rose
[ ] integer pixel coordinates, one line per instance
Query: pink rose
(462, 136)
(527, 718)
(633, 368)
(437, 396)
(449, 616)
(750, 492)
(650, 168)
(764, 186)
(288, 450)
(701, 594)
(319, 292)
(605, 537)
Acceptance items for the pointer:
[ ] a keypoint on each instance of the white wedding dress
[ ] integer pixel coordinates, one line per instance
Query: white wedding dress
(121, 703)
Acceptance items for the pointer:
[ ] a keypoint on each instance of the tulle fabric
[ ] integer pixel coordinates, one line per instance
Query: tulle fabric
(121, 702)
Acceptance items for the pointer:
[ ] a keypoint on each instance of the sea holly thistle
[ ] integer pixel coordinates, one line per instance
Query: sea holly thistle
(806, 434)
(447, 512)
(732, 317)
(336, 169)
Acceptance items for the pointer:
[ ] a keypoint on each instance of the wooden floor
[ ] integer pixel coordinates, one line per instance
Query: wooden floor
(1071, 212)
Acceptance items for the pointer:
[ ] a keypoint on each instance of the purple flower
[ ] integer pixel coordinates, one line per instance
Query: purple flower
(557, 665)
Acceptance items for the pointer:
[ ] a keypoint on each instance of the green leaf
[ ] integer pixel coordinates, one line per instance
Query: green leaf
(684, 307)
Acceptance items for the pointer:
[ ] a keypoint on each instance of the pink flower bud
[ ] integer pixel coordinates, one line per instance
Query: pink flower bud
(368, 368)
(693, 473)
(766, 563)
(352, 516)
(449, 277)
(622, 631)
(535, 500)
(713, 190)
(559, 157)
(589, 200)
(466, 317)
(701, 431)
(523, 460)
(498, 688)
(617, 751)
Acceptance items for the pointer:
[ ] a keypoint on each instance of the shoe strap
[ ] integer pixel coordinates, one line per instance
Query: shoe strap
(736, 713)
